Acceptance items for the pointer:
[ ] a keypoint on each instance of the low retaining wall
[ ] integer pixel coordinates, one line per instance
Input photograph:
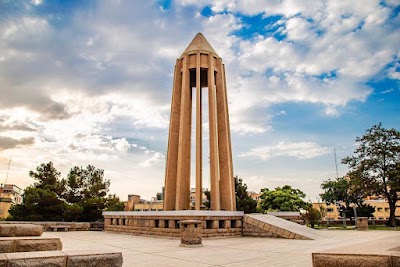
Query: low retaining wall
(73, 226)
(166, 223)
(26, 244)
(11, 229)
(382, 252)
(62, 259)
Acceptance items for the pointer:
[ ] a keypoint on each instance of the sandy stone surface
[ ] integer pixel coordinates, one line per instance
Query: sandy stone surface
(36, 259)
(7, 230)
(233, 251)
(93, 259)
(26, 244)
(280, 227)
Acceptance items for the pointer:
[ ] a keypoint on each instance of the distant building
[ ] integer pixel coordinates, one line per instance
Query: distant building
(193, 198)
(332, 211)
(149, 206)
(9, 195)
(255, 196)
(132, 201)
(382, 210)
(135, 203)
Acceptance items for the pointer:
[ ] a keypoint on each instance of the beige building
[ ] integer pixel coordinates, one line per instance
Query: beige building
(193, 199)
(382, 210)
(132, 201)
(255, 196)
(149, 206)
(9, 195)
(332, 211)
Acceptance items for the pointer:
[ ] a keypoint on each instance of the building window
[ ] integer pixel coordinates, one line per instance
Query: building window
(379, 209)
(387, 209)
(329, 210)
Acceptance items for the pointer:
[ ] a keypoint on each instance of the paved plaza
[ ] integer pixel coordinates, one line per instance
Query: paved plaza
(233, 251)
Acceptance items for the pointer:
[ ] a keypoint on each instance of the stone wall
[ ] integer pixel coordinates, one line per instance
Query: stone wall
(167, 223)
(262, 225)
(73, 226)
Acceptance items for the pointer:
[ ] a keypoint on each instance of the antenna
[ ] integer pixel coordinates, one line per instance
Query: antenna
(8, 169)
(337, 172)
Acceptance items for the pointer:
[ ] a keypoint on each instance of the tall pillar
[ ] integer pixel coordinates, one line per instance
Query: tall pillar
(183, 173)
(212, 121)
(199, 144)
(173, 141)
(199, 67)
(227, 183)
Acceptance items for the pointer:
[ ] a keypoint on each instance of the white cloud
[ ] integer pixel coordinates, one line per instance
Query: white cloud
(155, 158)
(36, 2)
(300, 150)
(394, 72)
(94, 85)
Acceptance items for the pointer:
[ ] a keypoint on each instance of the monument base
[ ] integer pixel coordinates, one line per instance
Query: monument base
(166, 223)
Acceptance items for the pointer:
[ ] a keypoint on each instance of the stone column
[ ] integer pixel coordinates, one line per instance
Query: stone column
(228, 201)
(173, 140)
(183, 173)
(214, 155)
(199, 184)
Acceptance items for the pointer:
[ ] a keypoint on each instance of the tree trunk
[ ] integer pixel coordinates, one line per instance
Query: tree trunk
(392, 218)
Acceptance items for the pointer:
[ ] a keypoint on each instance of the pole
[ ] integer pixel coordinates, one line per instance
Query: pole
(337, 172)
(8, 169)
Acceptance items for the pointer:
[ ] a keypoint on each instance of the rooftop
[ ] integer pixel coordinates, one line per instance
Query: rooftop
(199, 43)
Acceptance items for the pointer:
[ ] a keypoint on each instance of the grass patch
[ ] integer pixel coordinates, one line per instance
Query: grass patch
(352, 227)
(383, 227)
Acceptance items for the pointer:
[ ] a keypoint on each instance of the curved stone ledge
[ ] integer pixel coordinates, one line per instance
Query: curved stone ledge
(10, 230)
(62, 259)
(49, 226)
(27, 244)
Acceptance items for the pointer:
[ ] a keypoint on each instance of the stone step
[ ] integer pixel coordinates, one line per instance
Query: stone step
(20, 230)
(383, 253)
(26, 244)
(47, 226)
(62, 259)
(271, 226)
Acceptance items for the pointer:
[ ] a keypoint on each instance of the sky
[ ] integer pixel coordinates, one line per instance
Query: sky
(90, 82)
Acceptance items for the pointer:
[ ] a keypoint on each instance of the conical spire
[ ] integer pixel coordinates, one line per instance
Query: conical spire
(199, 42)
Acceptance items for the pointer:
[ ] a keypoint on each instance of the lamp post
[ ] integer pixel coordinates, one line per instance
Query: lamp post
(343, 212)
(355, 215)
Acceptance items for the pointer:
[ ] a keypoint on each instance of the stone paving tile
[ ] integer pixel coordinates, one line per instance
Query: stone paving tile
(238, 251)
(215, 256)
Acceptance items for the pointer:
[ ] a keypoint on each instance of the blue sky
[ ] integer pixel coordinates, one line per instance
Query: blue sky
(89, 82)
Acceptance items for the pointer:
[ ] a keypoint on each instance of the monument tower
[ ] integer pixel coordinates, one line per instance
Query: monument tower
(199, 67)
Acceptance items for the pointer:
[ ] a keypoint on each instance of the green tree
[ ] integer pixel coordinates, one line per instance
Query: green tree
(88, 188)
(82, 197)
(348, 191)
(47, 177)
(243, 201)
(376, 162)
(114, 204)
(207, 203)
(365, 210)
(283, 198)
(312, 216)
(42, 201)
